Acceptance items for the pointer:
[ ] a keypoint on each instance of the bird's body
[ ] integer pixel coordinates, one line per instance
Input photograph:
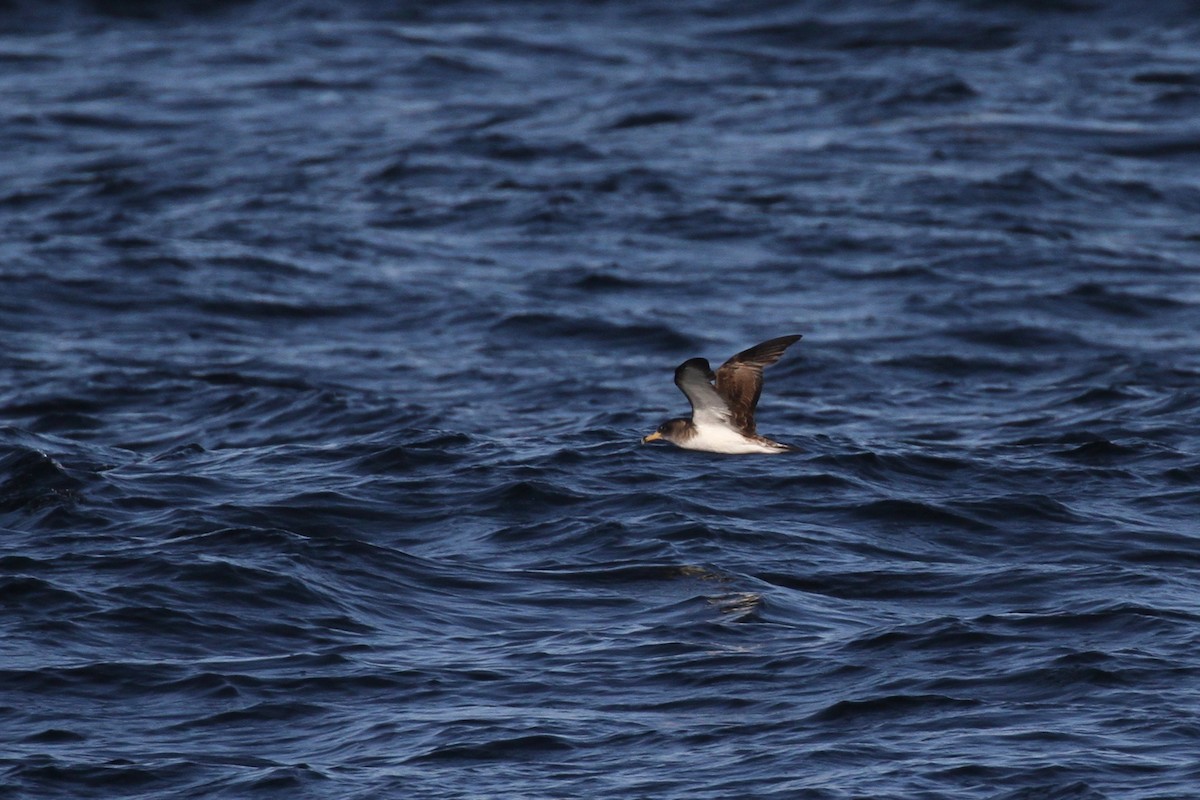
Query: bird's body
(723, 414)
(723, 439)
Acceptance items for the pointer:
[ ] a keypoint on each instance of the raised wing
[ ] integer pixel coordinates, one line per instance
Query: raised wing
(739, 380)
(708, 407)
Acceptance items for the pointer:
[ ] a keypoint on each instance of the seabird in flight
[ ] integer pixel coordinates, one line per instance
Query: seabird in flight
(723, 415)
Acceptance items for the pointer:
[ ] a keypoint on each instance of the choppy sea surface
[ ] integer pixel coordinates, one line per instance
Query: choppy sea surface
(330, 331)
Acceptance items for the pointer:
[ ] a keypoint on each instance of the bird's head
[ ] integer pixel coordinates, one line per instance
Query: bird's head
(669, 431)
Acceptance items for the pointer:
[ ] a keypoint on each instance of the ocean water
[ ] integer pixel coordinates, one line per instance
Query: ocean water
(330, 331)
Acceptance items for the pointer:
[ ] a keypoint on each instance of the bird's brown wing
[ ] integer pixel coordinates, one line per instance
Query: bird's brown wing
(739, 380)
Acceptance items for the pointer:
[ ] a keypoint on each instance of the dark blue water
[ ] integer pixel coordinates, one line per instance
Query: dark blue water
(330, 331)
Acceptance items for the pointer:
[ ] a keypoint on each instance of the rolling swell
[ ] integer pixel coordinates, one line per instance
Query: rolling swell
(331, 331)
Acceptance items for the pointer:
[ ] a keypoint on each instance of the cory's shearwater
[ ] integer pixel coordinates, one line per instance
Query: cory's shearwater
(723, 415)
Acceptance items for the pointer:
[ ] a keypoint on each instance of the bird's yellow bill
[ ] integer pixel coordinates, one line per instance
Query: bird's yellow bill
(654, 437)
